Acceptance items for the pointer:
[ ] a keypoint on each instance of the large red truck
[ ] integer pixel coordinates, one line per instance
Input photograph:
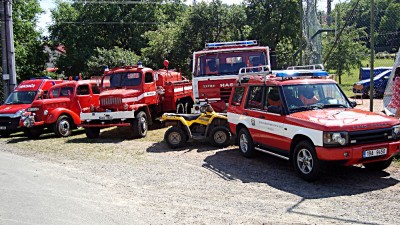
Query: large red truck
(20, 100)
(134, 96)
(60, 112)
(216, 68)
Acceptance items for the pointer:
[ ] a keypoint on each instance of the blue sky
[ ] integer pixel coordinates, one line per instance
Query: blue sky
(45, 18)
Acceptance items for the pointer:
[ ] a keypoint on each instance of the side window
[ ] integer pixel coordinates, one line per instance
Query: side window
(55, 93)
(148, 77)
(66, 91)
(254, 100)
(237, 96)
(95, 89)
(83, 90)
(273, 100)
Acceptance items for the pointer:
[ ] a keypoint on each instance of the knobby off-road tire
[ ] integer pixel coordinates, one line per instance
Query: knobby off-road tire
(33, 133)
(220, 136)
(63, 126)
(378, 166)
(246, 145)
(305, 161)
(140, 125)
(175, 137)
(92, 132)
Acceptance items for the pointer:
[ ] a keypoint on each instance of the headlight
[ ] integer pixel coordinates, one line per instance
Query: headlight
(396, 132)
(336, 138)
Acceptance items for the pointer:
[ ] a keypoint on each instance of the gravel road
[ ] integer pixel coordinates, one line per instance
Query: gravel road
(147, 183)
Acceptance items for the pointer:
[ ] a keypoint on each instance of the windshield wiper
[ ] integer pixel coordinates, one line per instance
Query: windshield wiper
(335, 106)
(308, 107)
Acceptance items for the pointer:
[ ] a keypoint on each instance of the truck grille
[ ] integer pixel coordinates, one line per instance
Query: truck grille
(10, 123)
(111, 101)
(368, 136)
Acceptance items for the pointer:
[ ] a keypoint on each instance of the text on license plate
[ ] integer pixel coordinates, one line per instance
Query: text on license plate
(374, 152)
(107, 117)
(3, 128)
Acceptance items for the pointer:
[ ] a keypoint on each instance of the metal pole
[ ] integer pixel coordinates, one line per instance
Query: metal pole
(4, 64)
(372, 57)
(10, 45)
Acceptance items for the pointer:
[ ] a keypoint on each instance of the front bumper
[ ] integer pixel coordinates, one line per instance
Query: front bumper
(351, 155)
(106, 119)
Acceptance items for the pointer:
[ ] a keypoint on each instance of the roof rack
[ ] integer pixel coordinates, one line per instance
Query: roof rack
(300, 73)
(263, 71)
(230, 44)
(307, 67)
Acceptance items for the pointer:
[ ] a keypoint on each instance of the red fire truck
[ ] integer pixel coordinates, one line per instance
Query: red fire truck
(134, 96)
(216, 68)
(20, 100)
(60, 111)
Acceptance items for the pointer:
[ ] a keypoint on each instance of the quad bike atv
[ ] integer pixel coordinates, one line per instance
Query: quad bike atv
(206, 125)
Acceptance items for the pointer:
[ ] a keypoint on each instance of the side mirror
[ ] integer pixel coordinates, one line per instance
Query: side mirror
(353, 104)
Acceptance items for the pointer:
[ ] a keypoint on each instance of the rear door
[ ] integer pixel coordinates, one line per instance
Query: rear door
(253, 112)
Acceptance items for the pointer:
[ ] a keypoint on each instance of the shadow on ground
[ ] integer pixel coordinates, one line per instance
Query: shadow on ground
(278, 173)
(198, 146)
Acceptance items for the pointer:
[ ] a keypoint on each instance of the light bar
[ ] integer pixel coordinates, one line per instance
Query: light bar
(231, 44)
(300, 73)
(307, 67)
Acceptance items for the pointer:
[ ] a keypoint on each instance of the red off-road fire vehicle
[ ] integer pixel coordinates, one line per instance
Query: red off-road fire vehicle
(134, 96)
(60, 111)
(20, 100)
(304, 118)
(216, 68)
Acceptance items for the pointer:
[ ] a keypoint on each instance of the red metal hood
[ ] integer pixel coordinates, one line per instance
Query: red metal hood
(342, 120)
(120, 93)
(12, 109)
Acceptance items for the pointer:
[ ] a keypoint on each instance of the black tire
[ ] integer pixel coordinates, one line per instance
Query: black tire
(220, 136)
(180, 108)
(305, 161)
(175, 137)
(33, 133)
(246, 145)
(63, 126)
(378, 166)
(140, 125)
(92, 132)
(5, 134)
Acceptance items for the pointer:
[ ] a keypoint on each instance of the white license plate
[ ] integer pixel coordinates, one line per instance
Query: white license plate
(374, 152)
(3, 128)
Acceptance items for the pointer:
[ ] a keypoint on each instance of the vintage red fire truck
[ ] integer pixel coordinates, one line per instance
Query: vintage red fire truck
(134, 96)
(216, 68)
(310, 122)
(20, 100)
(60, 111)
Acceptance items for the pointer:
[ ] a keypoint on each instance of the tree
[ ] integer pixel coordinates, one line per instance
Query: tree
(114, 57)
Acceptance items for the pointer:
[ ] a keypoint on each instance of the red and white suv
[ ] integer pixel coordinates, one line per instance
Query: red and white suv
(307, 119)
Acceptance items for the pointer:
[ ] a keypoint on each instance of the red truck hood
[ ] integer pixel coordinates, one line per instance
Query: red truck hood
(344, 119)
(50, 101)
(12, 109)
(120, 93)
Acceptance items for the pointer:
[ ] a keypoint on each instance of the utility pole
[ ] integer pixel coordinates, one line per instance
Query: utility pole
(8, 52)
(372, 57)
(328, 12)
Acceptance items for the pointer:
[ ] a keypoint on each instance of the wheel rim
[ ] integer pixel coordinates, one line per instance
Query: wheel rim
(243, 143)
(174, 138)
(220, 137)
(305, 161)
(64, 127)
(143, 124)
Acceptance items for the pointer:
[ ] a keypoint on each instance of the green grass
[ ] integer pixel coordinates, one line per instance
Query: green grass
(348, 79)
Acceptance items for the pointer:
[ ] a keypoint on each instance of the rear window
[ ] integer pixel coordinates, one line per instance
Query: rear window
(237, 96)
(254, 100)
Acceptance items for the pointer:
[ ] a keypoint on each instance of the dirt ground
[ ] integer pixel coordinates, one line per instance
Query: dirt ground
(153, 184)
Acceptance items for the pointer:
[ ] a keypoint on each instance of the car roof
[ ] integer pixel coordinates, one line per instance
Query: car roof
(275, 81)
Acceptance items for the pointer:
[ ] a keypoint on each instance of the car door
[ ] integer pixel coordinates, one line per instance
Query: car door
(253, 111)
(83, 96)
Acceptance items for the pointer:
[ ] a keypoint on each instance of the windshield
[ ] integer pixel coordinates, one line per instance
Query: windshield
(314, 96)
(21, 97)
(228, 63)
(116, 80)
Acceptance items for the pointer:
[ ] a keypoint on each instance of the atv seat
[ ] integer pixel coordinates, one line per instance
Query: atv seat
(189, 117)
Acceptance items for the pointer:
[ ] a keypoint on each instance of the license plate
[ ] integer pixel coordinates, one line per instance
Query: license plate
(105, 117)
(374, 152)
(3, 128)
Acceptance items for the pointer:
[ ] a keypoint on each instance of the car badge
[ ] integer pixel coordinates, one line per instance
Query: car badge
(253, 122)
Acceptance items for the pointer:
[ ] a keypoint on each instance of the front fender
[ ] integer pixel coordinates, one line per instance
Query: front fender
(54, 114)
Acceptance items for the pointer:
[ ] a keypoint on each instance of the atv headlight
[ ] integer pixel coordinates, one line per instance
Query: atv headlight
(336, 138)
(396, 132)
